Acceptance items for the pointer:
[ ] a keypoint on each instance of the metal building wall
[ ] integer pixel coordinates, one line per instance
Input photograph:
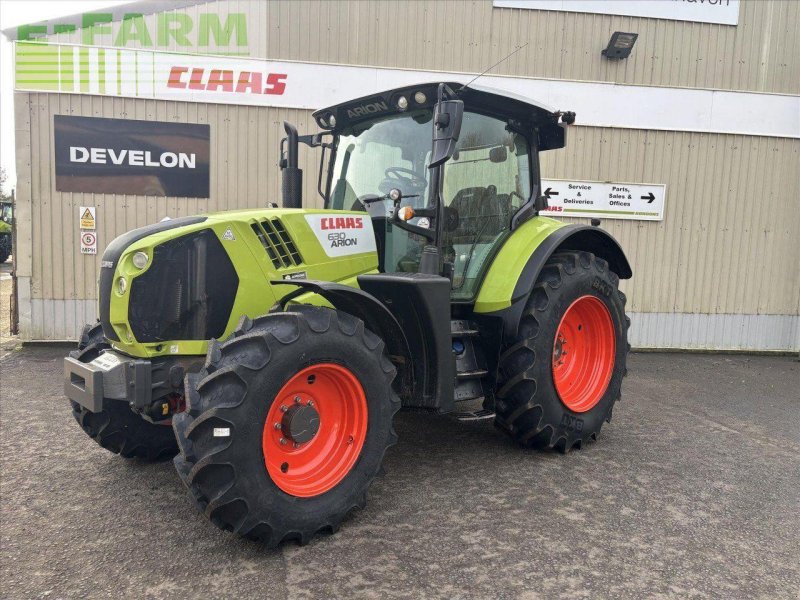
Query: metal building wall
(721, 271)
(57, 284)
(728, 245)
(761, 53)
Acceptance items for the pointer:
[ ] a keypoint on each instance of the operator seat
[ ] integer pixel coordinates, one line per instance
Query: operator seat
(482, 214)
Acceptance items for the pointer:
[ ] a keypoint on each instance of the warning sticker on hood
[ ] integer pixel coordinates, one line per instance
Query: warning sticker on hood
(343, 234)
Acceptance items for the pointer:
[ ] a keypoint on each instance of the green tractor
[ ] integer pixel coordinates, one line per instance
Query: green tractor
(279, 343)
(6, 219)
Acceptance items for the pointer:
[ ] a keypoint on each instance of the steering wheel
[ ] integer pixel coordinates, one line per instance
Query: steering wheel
(412, 181)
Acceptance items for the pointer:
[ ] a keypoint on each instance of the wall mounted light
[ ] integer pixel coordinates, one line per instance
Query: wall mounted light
(620, 45)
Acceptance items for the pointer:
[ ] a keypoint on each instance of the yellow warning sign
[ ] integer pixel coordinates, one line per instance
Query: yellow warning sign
(87, 217)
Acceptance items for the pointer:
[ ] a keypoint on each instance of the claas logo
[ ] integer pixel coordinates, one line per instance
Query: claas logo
(227, 80)
(342, 223)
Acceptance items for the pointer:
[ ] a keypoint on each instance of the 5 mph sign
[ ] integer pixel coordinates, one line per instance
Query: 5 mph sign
(604, 200)
(88, 242)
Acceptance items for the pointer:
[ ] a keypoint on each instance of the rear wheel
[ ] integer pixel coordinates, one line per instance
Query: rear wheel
(287, 424)
(116, 428)
(561, 376)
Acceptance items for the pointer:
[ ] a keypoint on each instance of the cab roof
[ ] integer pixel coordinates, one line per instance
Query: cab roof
(499, 103)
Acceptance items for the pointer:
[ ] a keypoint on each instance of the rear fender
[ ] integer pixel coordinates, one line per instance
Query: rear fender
(569, 237)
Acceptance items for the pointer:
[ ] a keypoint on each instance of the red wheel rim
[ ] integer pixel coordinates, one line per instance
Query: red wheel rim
(305, 462)
(583, 354)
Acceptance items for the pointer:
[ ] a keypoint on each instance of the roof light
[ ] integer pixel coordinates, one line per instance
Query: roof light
(402, 103)
(420, 98)
(332, 121)
(122, 285)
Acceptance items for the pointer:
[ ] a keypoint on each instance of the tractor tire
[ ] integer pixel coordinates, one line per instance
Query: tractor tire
(560, 377)
(5, 248)
(256, 456)
(117, 428)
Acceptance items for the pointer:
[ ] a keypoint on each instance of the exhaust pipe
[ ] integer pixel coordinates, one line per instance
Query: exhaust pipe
(292, 181)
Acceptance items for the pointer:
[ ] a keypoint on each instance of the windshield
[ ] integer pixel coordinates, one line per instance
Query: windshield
(371, 159)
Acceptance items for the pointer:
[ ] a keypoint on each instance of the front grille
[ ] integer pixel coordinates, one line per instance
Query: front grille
(278, 244)
(187, 293)
(112, 255)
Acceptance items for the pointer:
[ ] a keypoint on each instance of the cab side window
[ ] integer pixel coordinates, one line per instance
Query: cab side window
(486, 181)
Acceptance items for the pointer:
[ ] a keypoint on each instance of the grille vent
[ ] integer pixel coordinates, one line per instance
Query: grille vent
(277, 242)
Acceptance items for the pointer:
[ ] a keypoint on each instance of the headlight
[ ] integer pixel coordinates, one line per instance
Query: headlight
(122, 285)
(140, 260)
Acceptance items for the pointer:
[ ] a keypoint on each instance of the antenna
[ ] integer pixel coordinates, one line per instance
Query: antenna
(505, 58)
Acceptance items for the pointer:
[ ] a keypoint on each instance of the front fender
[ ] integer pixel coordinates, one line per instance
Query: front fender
(362, 305)
(517, 265)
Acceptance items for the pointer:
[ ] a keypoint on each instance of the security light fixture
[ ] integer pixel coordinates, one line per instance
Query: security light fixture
(620, 45)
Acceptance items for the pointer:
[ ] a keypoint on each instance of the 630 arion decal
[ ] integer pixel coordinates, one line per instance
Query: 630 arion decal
(342, 235)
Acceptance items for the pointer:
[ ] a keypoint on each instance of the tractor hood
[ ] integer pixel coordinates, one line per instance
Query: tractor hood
(168, 288)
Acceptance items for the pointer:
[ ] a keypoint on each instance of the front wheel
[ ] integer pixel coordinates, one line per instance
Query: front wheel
(561, 375)
(287, 424)
(117, 428)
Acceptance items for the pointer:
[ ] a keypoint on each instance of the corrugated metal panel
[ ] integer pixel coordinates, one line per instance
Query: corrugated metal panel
(244, 173)
(703, 332)
(728, 244)
(730, 239)
(722, 268)
(761, 53)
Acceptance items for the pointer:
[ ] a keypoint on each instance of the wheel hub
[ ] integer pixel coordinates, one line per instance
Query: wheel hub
(583, 354)
(559, 351)
(315, 429)
(300, 423)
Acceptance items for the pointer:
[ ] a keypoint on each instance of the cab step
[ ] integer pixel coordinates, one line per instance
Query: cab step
(474, 374)
(476, 415)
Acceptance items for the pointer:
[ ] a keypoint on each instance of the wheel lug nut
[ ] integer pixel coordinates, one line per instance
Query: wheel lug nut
(283, 441)
(277, 426)
(310, 403)
(297, 444)
(297, 399)
(284, 408)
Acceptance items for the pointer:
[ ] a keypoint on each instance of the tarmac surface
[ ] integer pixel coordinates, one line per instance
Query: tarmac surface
(693, 491)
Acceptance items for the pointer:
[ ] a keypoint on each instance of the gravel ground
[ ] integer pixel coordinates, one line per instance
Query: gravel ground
(692, 491)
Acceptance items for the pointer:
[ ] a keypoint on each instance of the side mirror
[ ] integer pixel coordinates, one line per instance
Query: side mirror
(447, 118)
(498, 154)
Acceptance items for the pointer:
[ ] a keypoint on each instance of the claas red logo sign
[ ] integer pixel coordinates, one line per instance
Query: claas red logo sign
(341, 223)
(227, 80)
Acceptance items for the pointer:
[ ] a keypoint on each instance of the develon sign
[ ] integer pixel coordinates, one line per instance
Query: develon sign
(122, 156)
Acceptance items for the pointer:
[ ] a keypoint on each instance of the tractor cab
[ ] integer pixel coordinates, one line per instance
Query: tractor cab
(446, 172)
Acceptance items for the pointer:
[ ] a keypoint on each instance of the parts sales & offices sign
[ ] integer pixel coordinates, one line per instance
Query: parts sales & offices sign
(124, 156)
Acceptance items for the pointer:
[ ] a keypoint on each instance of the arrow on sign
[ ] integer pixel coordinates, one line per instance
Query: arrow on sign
(549, 192)
(650, 197)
